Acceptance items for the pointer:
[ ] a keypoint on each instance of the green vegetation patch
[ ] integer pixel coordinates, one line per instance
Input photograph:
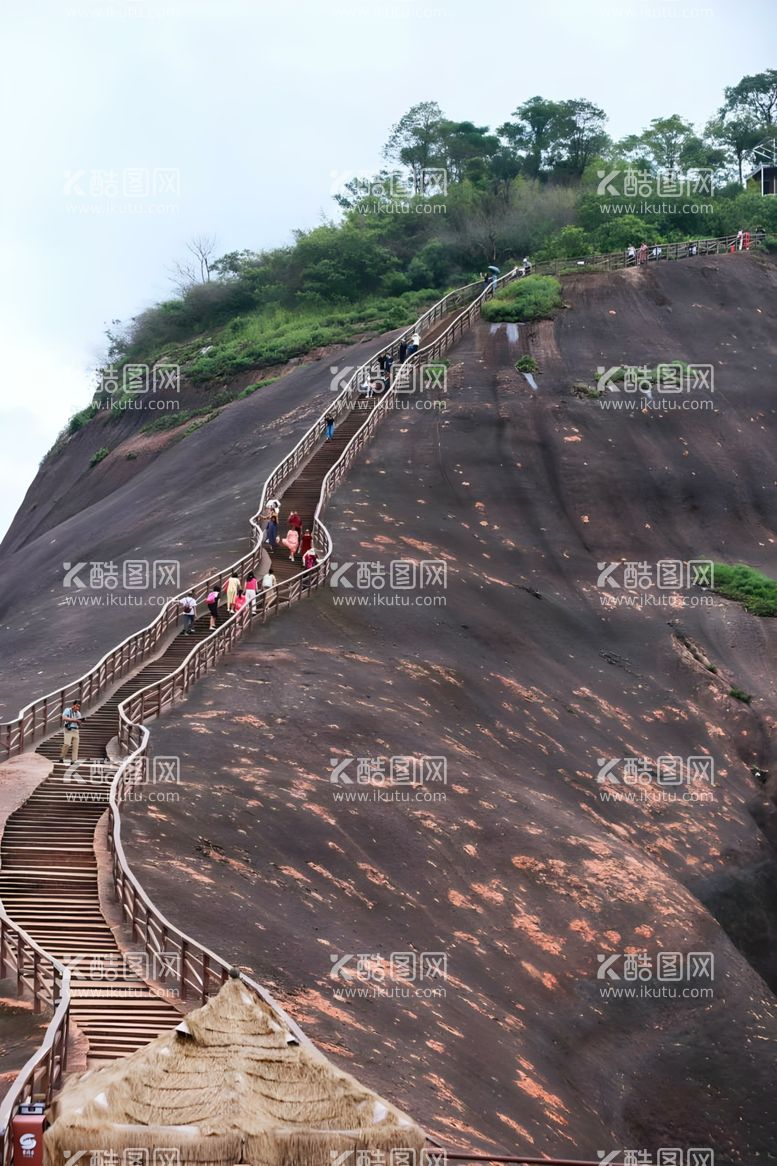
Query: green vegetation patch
(527, 364)
(755, 591)
(98, 456)
(535, 297)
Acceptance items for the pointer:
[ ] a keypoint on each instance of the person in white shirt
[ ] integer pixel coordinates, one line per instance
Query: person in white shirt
(189, 607)
(269, 583)
(71, 723)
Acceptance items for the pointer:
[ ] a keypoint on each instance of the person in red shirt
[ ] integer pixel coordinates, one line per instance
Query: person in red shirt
(295, 522)
(306, 544)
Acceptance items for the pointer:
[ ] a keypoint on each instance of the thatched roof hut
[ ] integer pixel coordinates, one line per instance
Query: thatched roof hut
(230, 1084)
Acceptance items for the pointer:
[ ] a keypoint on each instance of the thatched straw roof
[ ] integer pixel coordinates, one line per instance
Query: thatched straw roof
(231, 1083)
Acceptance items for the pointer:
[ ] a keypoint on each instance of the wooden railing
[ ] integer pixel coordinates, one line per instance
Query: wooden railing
(615, 260)
(44, 715)
(192, 971)
(48, 981)
(188, 968)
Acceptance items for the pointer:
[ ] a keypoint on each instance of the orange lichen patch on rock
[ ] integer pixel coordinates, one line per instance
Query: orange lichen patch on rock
(513, 1125)
(573, 437)
(644, 930)
(604, 707)
(311, 1004)
(291, 873)
(452, 1031)
(491, 892)
(534, 1089)
(531, 694)
(539, 866)
(436, 1046)
(470, 849)
(188, 871)
(433, 825)
(583, 929)
(465, 937)
(530, 926)
(320, 812)
(422, 548)
(342, 884)
(498, 582)
(247, 719)
(546, 979)
(462, 901)
(375, 876)
(445, 1094)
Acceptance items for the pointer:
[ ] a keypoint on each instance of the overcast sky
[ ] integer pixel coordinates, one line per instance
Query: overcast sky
(234, 117)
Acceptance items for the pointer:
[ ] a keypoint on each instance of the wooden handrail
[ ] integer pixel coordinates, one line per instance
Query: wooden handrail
(200, 970)
(40, 716)
(49, 982)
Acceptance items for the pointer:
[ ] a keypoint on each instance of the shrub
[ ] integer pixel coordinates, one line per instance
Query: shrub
(535, 297)
(80, 419)
(98, 456)
(738, 694)
(755, 591)
(527, 364)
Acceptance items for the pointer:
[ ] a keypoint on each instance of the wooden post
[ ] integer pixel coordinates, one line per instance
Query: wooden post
(182, 980)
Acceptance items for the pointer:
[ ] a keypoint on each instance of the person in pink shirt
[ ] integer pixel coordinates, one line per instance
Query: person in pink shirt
(291, 543)
(240, 600)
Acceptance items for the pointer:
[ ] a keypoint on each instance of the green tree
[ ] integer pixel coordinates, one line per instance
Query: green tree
(579, 135)
(738, 136)
(415, 139)
(670, 143)
(531, 133)
(461, 143)
(755, 96)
